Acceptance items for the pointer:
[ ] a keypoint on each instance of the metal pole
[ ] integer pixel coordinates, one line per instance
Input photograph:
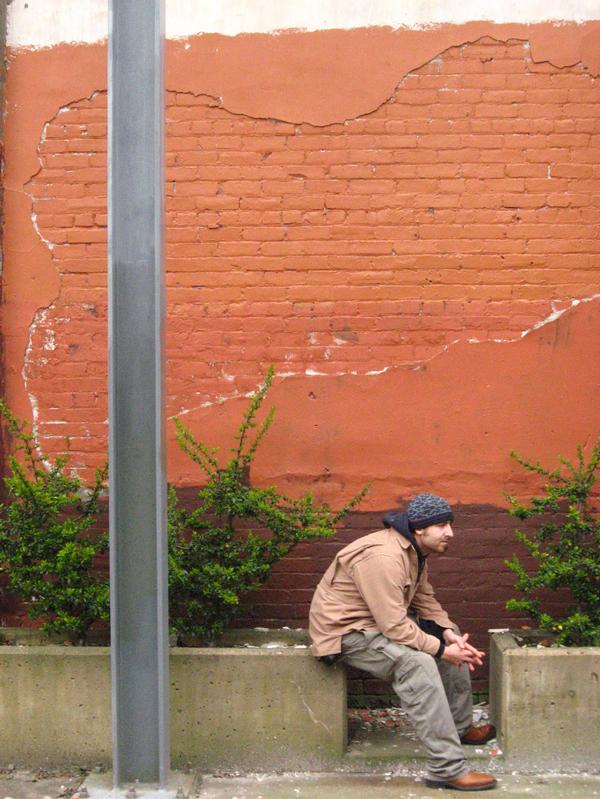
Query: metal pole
(138, 556)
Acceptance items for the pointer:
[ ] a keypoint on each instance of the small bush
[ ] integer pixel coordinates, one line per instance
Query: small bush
(566, 547)
(45, 549)
(228, 544)
(218, 551)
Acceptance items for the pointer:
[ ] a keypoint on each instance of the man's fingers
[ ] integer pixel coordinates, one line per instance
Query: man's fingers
(460, 652)
(472, 657)
(475, 651)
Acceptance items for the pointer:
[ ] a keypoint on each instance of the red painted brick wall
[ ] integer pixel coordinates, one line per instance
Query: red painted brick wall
(461, 207)
(465, 207)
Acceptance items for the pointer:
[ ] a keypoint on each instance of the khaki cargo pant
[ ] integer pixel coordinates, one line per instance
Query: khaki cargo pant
(435, 695)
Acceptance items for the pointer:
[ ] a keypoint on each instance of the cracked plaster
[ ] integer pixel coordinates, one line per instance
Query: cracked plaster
(218, 399)
(565, 44)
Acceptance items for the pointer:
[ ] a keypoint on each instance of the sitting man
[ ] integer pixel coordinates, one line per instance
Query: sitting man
(375, 609)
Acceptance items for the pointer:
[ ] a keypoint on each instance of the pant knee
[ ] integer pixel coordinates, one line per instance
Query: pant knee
(427, 663)
(418, 678)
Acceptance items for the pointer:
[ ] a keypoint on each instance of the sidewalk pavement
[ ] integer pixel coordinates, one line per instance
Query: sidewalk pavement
(382, 762)
(340, 785)
(20, 784)
(388, 786)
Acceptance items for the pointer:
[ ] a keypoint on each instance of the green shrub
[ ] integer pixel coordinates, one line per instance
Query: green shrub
(219, 550)
(46, 550)
(566, 547)
(228, 543)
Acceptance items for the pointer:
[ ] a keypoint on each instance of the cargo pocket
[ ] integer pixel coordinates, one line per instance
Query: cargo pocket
(389, 653)
(418, 679)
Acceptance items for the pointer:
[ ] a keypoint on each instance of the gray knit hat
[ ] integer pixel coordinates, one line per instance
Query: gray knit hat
(426, 509)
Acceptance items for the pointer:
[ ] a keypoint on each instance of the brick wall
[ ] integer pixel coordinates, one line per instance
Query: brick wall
(463, 208)
(460, 209)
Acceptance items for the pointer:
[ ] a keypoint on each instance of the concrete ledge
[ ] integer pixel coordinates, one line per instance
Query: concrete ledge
(242, 708)
(545, 703)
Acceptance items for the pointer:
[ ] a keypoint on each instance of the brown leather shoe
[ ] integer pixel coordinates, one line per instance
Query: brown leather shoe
(471, 781)
(478, 735)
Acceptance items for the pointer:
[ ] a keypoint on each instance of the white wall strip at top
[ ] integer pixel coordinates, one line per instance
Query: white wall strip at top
(44, 23)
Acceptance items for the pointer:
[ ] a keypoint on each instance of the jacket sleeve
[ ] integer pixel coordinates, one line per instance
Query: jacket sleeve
(426, 605)
(380, 581)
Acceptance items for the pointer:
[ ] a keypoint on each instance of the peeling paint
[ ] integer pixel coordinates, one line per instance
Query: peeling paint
(413, 365)
(34, 221)
(49, 344)
(557, 313)
(279, 86)
(39, 319)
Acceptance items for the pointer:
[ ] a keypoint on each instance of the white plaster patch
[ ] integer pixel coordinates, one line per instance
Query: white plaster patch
(49, 340)
(40, 318)
(44, 23)
(50, 245)
(555, 314)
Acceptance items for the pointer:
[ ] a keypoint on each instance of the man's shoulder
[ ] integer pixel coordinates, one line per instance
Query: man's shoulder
(380, 542)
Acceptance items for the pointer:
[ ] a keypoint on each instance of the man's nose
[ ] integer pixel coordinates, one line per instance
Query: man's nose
(449, 531)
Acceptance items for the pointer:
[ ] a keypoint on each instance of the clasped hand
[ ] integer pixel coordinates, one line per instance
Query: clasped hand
(458, 650)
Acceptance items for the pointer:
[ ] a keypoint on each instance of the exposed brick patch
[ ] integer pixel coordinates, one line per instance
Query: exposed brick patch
(463, 208)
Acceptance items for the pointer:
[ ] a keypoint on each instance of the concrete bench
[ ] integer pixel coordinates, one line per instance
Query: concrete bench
(231, 708)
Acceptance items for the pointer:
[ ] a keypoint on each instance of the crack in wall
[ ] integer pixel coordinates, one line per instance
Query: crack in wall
(309, 710)
(552, 317)
(438, 58)
(412, 365)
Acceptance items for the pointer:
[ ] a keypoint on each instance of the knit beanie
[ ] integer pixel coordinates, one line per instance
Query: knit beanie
(426, 509)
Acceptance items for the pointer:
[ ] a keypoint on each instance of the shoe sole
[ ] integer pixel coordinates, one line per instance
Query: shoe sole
(479, 743)
(453, 787)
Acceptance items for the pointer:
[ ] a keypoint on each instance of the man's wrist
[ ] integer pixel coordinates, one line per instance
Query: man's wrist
(441, 649)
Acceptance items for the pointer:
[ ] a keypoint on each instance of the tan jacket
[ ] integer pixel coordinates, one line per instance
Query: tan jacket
(371, 585)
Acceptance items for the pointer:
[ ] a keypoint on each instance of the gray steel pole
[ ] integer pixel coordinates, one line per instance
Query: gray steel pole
(138, 555)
